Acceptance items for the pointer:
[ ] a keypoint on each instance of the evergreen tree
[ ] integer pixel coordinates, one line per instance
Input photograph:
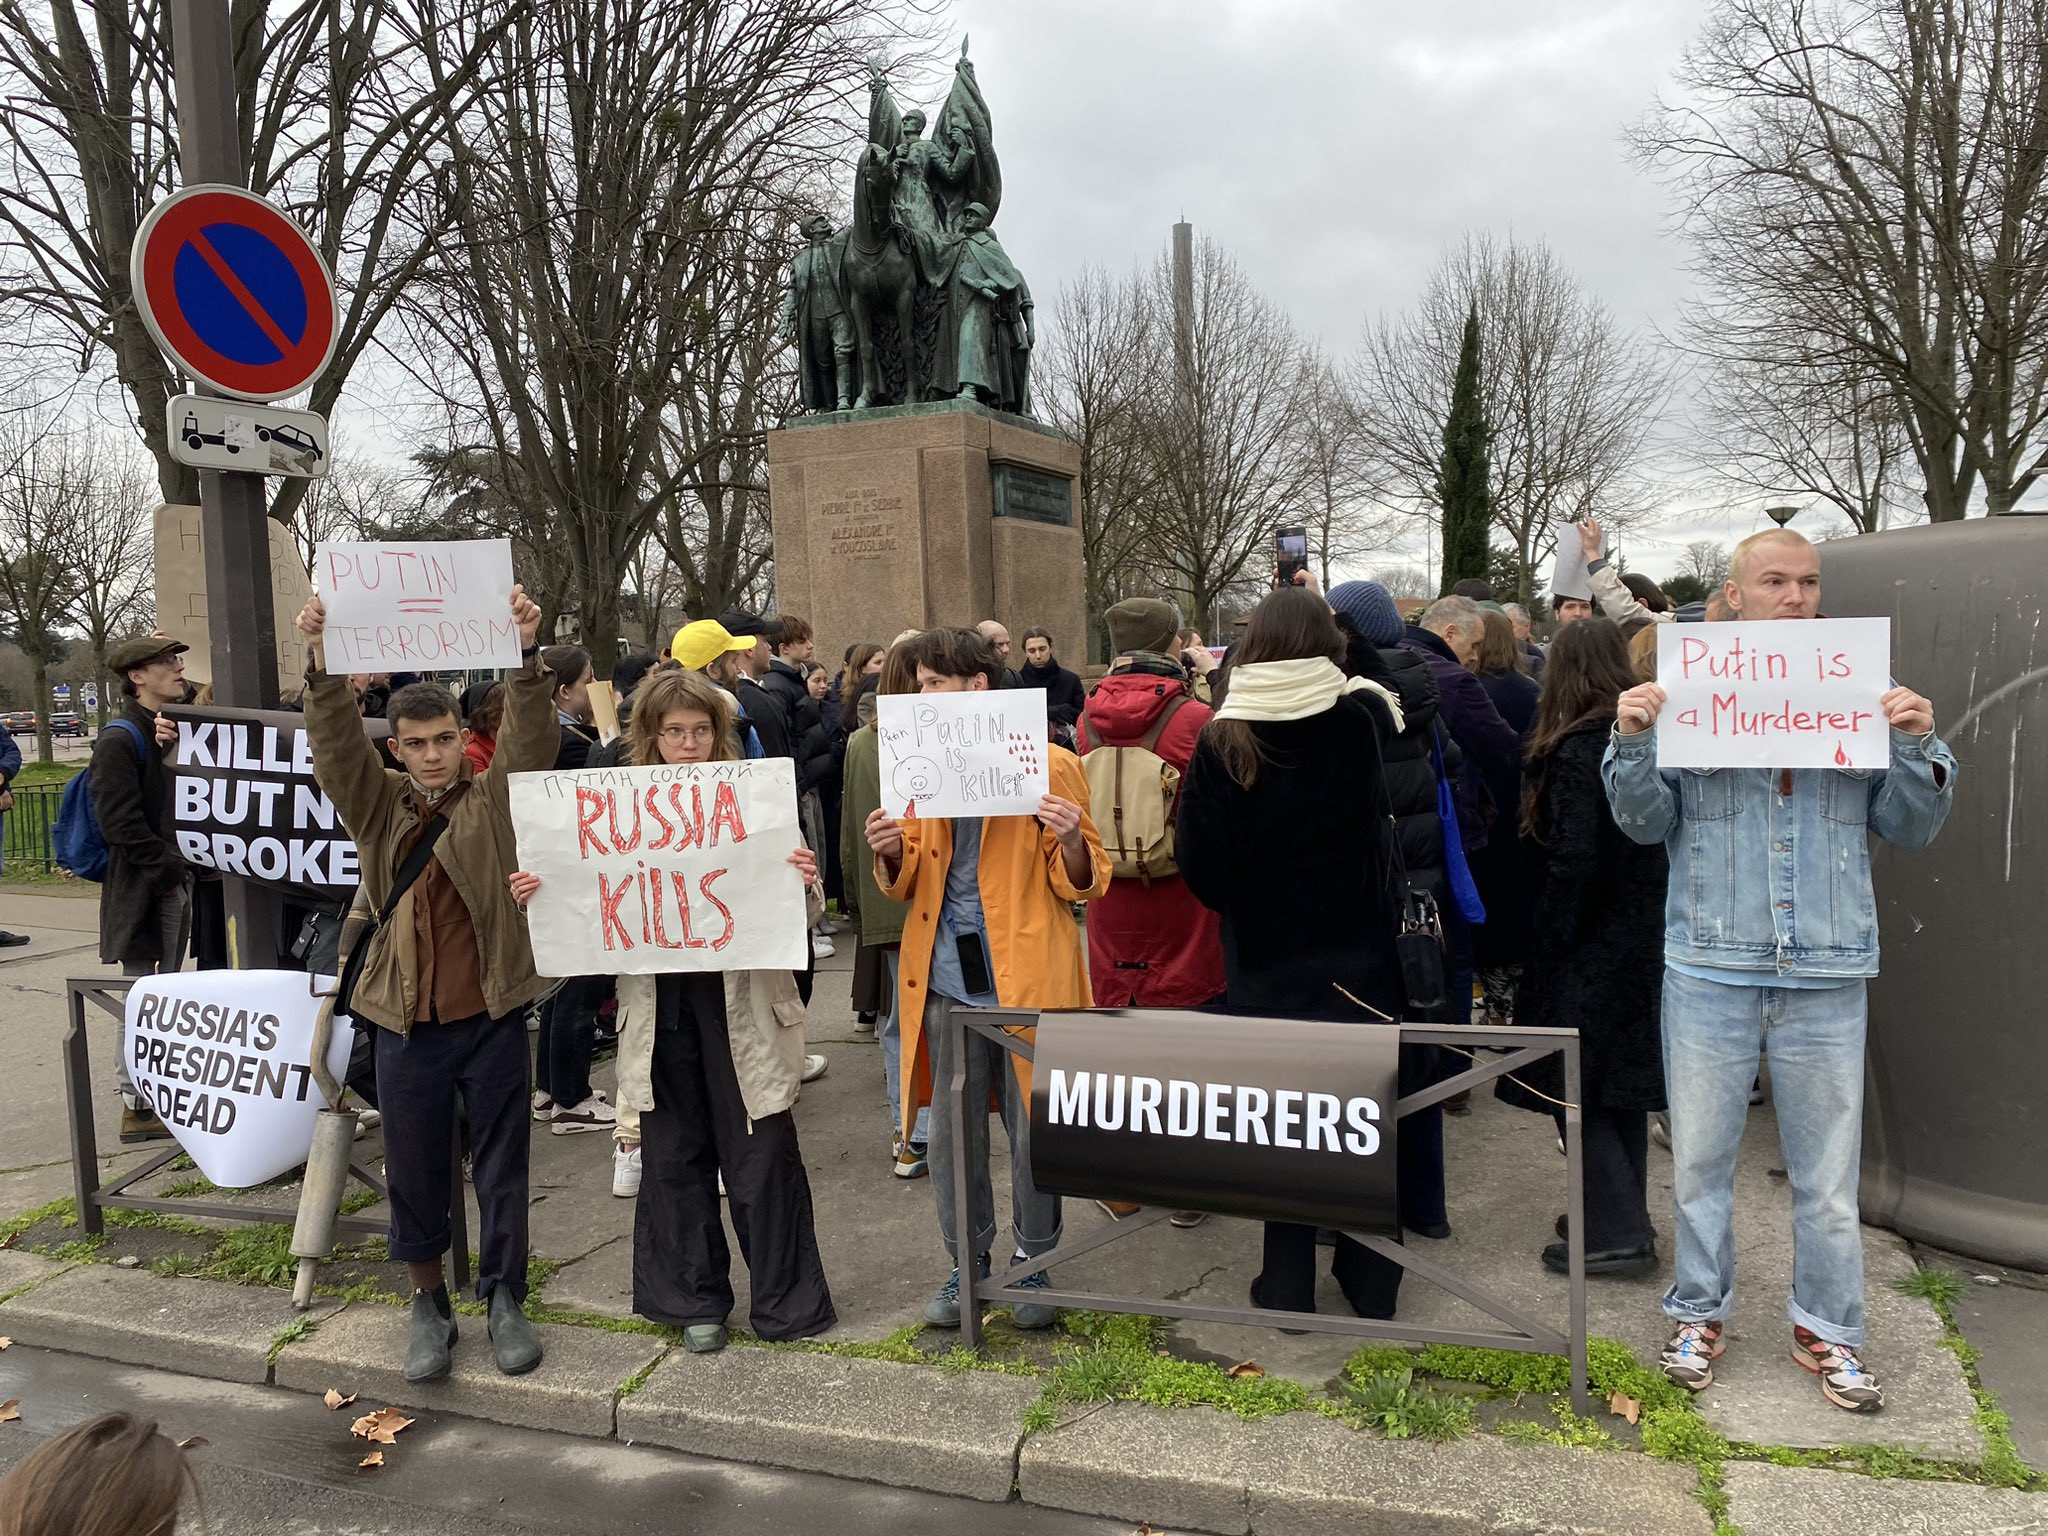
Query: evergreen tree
(1461, 478)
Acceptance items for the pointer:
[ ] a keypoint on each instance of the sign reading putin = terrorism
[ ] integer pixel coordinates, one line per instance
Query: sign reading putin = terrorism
(1790, 693)
(418, 607)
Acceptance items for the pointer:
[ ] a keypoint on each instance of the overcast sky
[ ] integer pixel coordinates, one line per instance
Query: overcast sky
(1335, 146)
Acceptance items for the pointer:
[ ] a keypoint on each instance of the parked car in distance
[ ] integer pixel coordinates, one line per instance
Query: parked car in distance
(66, 724)
(20, 722)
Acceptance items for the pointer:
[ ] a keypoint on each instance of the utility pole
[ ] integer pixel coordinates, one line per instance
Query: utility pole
(233, 505)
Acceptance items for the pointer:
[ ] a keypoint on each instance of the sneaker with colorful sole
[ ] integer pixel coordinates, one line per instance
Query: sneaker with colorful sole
(1688, 1360)
(1843, 1379)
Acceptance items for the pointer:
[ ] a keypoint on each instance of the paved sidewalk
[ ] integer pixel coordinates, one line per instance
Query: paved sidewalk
(1196, 1468)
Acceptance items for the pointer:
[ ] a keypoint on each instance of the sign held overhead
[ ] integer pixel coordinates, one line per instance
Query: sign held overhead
(413, 607)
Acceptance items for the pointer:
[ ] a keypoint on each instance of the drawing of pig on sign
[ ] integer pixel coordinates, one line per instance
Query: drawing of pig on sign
(418, 607)
(963, 754)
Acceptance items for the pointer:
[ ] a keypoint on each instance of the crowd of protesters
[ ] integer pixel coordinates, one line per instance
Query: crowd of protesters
(1368, 762)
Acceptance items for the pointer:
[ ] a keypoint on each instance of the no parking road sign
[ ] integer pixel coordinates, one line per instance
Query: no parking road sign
(234, 292)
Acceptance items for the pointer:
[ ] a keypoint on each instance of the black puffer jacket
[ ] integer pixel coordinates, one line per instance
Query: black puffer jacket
(808, 743)
(1410, 776)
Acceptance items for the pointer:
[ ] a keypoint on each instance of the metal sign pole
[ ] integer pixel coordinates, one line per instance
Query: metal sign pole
(233, 505)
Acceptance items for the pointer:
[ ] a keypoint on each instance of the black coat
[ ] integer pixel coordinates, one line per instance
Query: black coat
(1410, 774)
(1501, 868)
(131, 798)
(1298, 866)
(770, 722)
(809, 742)
(1469, 718)
(1065, 695)
(579, 748)
(1596, 941)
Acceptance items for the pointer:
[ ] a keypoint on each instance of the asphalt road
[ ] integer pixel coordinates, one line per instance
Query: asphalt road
(281, 1464)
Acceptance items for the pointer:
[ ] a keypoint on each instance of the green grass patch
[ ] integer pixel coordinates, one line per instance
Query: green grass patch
(638, 1379)
(1399, 1407)
(298, 1328)
(64, 1212)
(1113, 1357)
(359, 1200)
(2002, 1465)
(189, 1189)
(156, 1221)
(1943, 1288)
(59, 772)
(258, 1255)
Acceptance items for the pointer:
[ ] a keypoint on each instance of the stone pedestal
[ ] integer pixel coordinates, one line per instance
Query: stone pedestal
(919, 515)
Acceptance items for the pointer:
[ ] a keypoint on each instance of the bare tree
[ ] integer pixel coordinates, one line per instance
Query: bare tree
(1345, 520)
(356, 499)
(338, 121)
(1404, 581)
(110, 549)
(1863, 184)
(1572, 395)
(1706, 562)
(39, 501)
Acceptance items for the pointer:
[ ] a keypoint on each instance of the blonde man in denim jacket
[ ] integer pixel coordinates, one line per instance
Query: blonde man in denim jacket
(1770, 935)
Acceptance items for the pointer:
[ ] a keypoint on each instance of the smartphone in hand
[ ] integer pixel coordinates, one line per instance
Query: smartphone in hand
(1290, 554)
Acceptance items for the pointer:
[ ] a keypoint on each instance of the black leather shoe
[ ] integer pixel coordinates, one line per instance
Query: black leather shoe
(1607, 1261)
(433, 1336)
(9, 940)
(514, 1343)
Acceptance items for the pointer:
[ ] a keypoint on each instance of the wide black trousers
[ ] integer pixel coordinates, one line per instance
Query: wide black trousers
(482, 1061)
(698, 1128)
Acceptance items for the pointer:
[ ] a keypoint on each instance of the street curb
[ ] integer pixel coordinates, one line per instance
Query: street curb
(910, 1426)
(575, 1390)
(1789, 1501)
(1305, 1475)
(21, 1273)
(196, 1327)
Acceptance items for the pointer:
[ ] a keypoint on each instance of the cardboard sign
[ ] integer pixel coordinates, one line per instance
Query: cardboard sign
(1783, 694)
(1276, 1119)
(181, 594)
(223, 1057)
(679, 868)
(418, 607)
(244, 802)
(963, 754)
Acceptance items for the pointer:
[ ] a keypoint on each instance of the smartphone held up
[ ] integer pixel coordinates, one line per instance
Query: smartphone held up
(1290, 555)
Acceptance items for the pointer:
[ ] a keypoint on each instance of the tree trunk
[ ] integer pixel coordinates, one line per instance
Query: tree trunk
(39, 664)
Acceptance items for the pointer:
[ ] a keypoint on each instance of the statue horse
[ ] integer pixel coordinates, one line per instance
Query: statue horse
(880, 280)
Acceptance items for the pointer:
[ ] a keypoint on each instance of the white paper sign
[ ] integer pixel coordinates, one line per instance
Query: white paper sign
(418, 607)
(1784, 694)
(1570, 578)
(963, 754)
(680, 868)
(223, 1057)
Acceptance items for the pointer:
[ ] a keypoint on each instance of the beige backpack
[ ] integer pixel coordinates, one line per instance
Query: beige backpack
(1132, 795)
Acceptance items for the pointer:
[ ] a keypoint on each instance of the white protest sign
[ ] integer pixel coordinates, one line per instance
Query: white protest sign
(224, 1057)
(963, 754)
(418, 607)
(674, 868)
(1784, 694)
(1570, 578)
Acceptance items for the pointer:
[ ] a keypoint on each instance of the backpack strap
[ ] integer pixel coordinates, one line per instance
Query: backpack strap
(409, 871)
(1150, 740)
(133, 732)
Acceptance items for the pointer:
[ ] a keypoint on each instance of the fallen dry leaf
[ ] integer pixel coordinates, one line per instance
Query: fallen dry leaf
(1144, 1530)
(193, 1442)
(1623, 1406)
(8, 1240)
(10, 1410)
(5, 1342)
(1247, 1368)
(382, 1427)
(374, 1459)
(335, 1400)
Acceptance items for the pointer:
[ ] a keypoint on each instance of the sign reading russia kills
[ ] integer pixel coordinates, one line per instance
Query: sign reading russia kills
(1784, 694)
(670, 868)
(418, 607)
(963, 754)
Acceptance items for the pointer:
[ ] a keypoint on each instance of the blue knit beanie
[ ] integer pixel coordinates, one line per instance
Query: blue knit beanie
(1371, 611)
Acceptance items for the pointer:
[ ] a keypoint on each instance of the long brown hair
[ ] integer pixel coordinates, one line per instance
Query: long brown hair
(665, 692)
(849, 682)
(899, 671)
(1498, 649)
(1291, 624)
(114, 1476)
(1585, 672)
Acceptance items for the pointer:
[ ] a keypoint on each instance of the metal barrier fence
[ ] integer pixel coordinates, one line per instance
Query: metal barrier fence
(110, 997)
(1520, 1333)
(29, 829)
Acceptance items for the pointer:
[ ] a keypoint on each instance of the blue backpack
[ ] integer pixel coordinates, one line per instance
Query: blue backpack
(80, 847)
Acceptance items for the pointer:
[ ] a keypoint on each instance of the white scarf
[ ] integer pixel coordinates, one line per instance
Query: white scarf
(1295, 690)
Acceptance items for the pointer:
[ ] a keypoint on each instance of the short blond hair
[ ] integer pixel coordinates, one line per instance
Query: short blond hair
(1738, 563)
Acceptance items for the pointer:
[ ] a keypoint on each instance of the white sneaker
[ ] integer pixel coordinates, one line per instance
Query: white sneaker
(814, 1067)
(625, 1170)
(543, 1106)
(821, 946)
(593, 1114)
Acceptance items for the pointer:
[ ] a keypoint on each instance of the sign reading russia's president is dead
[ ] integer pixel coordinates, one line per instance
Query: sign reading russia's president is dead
(1791, 693)
(679, 867)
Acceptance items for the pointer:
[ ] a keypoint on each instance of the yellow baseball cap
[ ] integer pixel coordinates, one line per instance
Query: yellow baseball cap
(697, 645)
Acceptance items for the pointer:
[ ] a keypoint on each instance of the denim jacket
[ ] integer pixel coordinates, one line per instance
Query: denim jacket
(1773, 883)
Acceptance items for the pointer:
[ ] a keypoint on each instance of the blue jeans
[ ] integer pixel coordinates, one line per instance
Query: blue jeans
(1712, 1036)
(889, 1031)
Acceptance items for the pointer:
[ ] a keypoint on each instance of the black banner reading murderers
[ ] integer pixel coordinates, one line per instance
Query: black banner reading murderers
(1277, 1119)
(244, 802)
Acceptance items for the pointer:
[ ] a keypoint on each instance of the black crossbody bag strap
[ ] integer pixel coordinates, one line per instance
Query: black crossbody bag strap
(1419, 940)
(414, 865)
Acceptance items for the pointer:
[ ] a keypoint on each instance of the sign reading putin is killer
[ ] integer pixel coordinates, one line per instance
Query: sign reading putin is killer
(224, 1058)
(1790, 693)
(679, 867)
(1276, 1119)
(981, 753)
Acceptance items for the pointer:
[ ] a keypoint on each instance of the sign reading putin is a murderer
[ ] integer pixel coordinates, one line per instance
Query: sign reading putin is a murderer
(669, 868)
(1276, 1119)
(1791, 693)
(224, 1058)
(418, 607)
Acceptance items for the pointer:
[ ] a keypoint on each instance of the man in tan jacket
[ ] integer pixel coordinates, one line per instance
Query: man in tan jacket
(447, 979)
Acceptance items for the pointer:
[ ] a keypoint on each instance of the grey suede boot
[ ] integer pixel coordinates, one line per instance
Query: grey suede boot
(514, 1343)
(433, 1335)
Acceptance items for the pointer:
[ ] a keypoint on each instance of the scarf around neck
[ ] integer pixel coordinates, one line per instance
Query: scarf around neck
(1295, 690)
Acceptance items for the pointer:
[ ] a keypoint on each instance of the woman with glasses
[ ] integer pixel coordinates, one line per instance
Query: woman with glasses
(709, 1065)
